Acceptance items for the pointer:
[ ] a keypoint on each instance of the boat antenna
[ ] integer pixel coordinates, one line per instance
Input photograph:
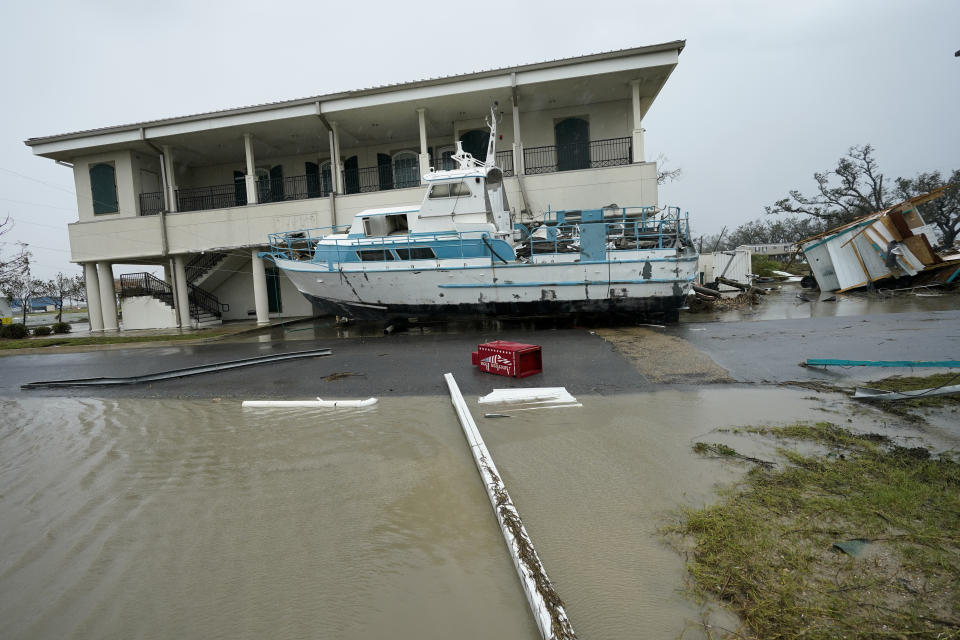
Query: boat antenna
(492, 143)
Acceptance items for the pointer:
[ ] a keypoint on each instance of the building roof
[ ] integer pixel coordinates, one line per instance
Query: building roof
(675, 45)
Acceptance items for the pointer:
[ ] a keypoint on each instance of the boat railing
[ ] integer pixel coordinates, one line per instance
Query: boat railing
(624, 227)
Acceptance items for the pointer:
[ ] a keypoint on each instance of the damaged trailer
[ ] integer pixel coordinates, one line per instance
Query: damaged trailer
(892, 243)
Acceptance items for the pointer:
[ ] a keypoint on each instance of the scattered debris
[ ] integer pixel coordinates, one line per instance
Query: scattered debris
(496, 415)
(177, 373)
(724, 451)
(548, 609)
(852, 547)
(828, 362)
(529, 396)
(308, 404)
(340, 375)
(866, 393)
(511, 359)
(892, 243)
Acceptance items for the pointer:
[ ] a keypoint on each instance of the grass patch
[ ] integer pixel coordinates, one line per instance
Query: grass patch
(27, 343)
(767, 549)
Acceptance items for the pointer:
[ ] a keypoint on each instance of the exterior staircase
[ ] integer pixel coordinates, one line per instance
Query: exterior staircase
(205, 308)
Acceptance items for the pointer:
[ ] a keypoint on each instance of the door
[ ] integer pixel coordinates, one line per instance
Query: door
(573, 144)
(274, 304)
(384, 171)
(276, 183)
(351, 175)
(312, 171)
(240, 188)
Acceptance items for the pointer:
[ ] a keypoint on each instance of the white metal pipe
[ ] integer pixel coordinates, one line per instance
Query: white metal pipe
(309, 404)
(548, 610)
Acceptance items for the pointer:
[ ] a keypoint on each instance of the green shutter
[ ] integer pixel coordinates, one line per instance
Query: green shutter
(103, 188)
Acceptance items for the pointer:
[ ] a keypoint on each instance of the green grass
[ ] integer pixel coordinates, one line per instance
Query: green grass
(766, 549)
(32, 343)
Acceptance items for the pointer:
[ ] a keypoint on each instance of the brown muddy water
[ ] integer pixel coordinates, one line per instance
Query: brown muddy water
(199, 519)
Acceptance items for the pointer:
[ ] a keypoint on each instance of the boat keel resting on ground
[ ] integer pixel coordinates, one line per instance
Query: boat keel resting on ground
(460, 253)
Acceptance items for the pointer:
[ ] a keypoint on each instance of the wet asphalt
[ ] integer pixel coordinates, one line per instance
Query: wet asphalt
(413, 363)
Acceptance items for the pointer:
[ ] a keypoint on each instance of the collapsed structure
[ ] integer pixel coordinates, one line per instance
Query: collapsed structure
(894, 243)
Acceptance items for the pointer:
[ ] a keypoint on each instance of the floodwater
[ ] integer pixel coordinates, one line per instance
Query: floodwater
(126, 518)
(790, 300)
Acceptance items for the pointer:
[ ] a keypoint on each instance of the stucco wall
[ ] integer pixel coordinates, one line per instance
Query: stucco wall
(145, 312)
(126, 187)
(237, 291)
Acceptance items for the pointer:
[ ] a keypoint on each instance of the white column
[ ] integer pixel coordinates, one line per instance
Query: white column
(108, 299)
(334, 174)
(424, 156)
(94, 311)
(518, 167)
(335, 164)
(183, 292)
(167, 273)
(260, 288)
(171, 178)
(251, 177)
(637, 125)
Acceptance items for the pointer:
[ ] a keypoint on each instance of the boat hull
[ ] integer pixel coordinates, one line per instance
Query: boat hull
(654, 287)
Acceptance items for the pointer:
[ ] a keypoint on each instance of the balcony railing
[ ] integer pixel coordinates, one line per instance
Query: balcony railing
(581, 155)
(399, 174)
(505, 162)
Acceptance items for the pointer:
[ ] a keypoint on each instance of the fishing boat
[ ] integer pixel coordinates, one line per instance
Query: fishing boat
(461, 253)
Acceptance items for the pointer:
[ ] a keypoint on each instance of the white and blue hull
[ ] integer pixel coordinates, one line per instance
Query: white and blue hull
(649, 283)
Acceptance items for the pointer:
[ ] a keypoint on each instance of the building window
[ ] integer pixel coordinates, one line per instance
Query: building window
(103, 188)
(406, 169)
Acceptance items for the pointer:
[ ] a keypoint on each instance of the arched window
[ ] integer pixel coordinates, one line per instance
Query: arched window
(103, 188)
(573, 144)
(444, 161)
(475, 143)
(406, 169)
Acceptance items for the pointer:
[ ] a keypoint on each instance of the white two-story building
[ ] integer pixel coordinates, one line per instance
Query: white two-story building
(199, 194)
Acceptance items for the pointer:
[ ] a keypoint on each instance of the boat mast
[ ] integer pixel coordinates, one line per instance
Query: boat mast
(492, 143)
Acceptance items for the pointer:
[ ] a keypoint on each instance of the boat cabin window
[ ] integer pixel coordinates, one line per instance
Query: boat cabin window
(385, 225)
(416, 253)
(449, 190)
(375, 255)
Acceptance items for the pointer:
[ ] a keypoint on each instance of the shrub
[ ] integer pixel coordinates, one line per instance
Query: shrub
(14, 331)
(42, 331)
(61, 327)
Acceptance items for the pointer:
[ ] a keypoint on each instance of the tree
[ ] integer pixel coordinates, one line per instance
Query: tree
(63, 287)
(13, 266)
(861, 190)
(779, 231)
(945, 210)
(663, 173)
(23, 287)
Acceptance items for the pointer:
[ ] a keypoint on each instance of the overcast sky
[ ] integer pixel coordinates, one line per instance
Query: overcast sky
(765, 93)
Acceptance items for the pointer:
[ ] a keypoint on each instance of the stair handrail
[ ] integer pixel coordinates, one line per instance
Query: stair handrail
(201, 264)
(145, 284)
(202, 300)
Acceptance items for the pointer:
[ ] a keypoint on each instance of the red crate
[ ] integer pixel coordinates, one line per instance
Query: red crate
(513, 359)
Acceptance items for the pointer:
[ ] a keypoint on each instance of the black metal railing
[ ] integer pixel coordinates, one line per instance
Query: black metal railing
(581, 155)
(219, 196)
(203, 302)
(505, 162)
(400, 174)
(145, 284)
(201, 263)
(151, 204)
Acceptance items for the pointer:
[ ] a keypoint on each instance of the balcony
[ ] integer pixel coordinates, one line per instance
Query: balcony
(400, 174)
(582, 155)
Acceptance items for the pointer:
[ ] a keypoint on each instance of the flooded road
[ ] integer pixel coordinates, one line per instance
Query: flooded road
(160, 518)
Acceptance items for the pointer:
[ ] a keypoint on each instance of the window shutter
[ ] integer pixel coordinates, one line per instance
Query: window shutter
(103, 188)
